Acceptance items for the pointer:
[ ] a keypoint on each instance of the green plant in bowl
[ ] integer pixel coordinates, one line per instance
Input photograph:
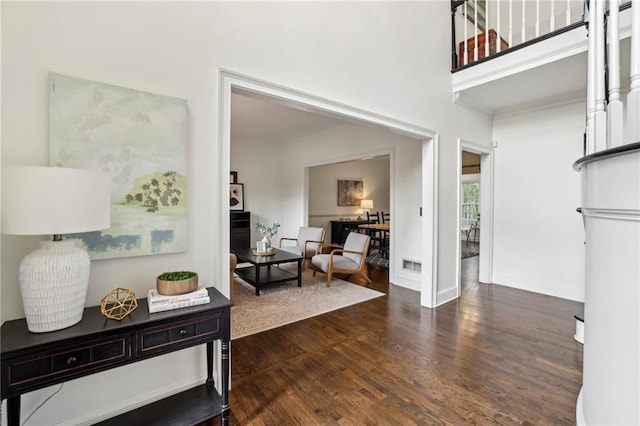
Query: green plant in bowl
(177, 282)
(177, 276)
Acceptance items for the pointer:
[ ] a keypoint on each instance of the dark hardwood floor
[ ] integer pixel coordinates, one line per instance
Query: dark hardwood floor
(495, 356)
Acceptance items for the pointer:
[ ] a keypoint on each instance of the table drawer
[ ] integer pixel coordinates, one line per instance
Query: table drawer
(175, 335)
(65, 362)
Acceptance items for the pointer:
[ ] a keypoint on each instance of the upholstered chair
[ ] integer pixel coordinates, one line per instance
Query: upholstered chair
(347, 260)
(305, 244)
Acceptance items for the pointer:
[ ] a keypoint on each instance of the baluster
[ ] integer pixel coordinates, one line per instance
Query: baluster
(466, 48)
(510, 22)
(633, 98)
(475, 31)
(486, 29)
(596, 116)
(523, 30)
(499, 36)
(614, 109)
(537, 18)
(568, 14)
(552, 18)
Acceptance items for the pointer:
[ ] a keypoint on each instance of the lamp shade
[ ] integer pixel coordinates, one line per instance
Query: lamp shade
(54, 200)
(366, 204)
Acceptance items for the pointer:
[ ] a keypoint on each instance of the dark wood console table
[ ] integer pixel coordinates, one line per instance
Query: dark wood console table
(341, 228)
(33, 361)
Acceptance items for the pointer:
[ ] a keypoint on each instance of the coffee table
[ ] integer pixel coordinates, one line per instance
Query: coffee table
(264, 270)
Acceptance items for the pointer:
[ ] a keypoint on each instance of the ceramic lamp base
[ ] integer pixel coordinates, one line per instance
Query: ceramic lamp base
(53, 282)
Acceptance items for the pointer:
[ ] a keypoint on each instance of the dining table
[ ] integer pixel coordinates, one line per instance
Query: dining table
(384, 228)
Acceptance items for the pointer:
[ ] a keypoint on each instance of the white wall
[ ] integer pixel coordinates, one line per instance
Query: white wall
(323, 189)
(258, 164)
(538, 236)
(405, 170)
(379, 57)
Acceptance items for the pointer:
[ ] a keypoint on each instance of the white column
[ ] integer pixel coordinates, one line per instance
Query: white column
(614, 108)
(567, 14)
(486, 30)
(633, 98)
(552, 18)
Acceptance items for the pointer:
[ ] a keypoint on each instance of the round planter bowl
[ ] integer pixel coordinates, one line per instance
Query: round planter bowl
(172, 288)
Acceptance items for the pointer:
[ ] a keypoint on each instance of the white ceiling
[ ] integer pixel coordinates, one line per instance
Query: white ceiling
(262, 119)
(559, 80)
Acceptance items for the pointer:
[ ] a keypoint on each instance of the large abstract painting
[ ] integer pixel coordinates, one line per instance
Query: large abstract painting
(140, 139)
(350, 192)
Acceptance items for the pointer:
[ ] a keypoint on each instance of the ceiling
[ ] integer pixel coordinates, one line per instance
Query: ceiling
(259, 118)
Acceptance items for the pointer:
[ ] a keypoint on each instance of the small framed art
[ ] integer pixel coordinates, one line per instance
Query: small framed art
(233, 177)
(236, 196)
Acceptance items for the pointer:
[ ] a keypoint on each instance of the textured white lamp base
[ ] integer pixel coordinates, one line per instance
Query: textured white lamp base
(53, 282)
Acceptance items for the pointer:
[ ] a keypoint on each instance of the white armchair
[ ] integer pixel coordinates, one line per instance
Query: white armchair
(306, 244)
(347, 260)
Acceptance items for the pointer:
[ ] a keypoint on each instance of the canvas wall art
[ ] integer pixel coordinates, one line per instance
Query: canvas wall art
(350, 192)
(140, 139)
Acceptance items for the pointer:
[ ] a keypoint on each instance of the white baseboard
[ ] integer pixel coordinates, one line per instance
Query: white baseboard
(120, 407)
(406, 283)
(579, 413)
(446, 295)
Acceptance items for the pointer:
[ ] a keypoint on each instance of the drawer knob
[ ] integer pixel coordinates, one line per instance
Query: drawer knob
(183, 332)
(72, 360)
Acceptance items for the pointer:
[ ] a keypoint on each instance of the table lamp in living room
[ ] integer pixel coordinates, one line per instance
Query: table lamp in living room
(54, 201)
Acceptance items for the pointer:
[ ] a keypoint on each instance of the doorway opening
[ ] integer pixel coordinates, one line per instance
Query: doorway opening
(233, 82)
(474, 212)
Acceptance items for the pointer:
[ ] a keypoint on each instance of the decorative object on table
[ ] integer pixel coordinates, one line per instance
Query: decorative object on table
(233, 177)
(236, 196)
(141, 139)
(55, 201)
(159, 302)
(177, 282)
(262, 251)
(118, 303)
(267, 232)
(350, 192)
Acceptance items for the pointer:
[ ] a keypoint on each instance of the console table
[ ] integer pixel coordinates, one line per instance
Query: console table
(341, 228)
(33, 361)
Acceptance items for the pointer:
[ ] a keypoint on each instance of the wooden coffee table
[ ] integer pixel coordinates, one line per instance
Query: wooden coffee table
(264, 270)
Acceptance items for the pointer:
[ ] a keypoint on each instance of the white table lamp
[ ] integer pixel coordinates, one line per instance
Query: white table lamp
(366, 205)
(54, 201)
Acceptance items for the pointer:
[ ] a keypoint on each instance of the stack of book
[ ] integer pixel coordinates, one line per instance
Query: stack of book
(158, 302)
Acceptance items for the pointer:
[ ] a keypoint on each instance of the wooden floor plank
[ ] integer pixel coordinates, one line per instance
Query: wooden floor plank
(496, 355)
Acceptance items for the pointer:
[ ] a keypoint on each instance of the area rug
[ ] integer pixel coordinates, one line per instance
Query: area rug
(469, 249)
(283, 303)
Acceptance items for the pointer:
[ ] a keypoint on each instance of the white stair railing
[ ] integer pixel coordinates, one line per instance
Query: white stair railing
(492, 26)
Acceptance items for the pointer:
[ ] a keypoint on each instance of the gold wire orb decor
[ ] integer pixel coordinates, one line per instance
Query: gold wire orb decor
(118, 303)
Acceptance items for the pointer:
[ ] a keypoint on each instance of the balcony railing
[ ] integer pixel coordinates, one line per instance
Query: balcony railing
(484, 29)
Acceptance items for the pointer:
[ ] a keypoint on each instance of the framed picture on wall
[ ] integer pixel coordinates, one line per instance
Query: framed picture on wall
(350, 192)
(236, 196)
(233, 177)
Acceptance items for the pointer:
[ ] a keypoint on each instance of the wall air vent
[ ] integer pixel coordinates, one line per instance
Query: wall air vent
(411, 265)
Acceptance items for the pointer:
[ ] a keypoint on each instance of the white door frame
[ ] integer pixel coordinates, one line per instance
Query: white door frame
(486, 210)
(229, 80)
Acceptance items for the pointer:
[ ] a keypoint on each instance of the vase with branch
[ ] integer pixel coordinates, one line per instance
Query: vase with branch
(267, 232)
